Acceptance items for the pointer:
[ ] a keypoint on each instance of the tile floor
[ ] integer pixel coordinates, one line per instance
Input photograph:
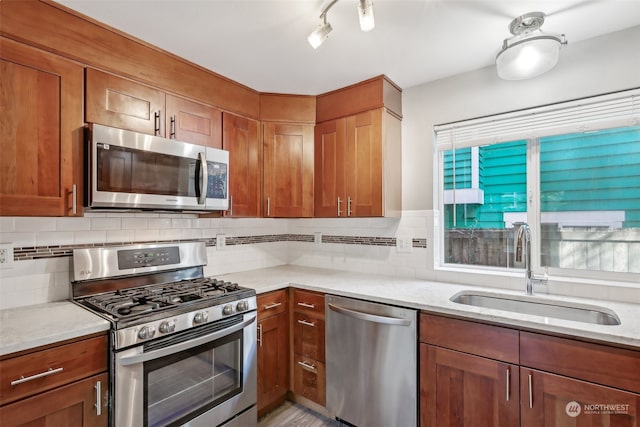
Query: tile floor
(293, 415)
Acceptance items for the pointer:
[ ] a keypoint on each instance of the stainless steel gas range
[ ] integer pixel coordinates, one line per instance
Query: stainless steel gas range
(183, 347)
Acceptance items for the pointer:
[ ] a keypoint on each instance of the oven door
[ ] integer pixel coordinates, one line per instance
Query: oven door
(202, 377)
(137, 171)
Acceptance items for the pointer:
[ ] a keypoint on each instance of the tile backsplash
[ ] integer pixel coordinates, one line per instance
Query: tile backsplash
(40, 271)
(43, 246)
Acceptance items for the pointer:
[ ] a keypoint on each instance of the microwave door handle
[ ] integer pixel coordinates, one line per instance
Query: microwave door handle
(186, 345)
(201, 179)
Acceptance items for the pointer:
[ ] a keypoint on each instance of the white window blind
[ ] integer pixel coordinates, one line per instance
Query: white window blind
(612, 110)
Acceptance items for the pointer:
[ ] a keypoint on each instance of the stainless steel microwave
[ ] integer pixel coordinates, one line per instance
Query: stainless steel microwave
(130, 170)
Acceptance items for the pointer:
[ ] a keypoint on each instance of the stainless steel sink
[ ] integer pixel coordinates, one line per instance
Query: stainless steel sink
(527, 305)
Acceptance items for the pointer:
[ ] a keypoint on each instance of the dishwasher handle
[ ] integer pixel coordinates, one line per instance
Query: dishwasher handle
(369, 317)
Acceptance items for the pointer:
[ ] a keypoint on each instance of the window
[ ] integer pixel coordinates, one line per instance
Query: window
(571, 171)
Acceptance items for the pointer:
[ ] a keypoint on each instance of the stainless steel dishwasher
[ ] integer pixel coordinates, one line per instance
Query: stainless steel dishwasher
(371, 363)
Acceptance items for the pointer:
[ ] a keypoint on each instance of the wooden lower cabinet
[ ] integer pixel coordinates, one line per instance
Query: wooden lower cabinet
(273, 350)
(467, 390)
(309, 378)
(555, 400)
(59, 385)
(473, 374)
(76, 404)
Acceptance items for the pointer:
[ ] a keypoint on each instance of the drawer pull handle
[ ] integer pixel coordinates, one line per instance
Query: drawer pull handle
(307, 323)
(304, 304)
(307, 366)
(508, 381)
(46, 373)
(274, 305)
(98, 403)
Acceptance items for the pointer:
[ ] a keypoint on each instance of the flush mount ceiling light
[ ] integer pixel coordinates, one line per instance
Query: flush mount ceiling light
(530, 52)
(320, 34)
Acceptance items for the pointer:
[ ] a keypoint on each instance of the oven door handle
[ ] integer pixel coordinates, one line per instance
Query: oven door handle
(172, 349)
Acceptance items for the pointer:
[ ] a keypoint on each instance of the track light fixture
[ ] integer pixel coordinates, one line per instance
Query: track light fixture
(365, 13)
(320, 34)
(530, 52)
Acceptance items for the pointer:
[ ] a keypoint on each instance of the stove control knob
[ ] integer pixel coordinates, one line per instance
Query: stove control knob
(168, 326)
(242, 306)
(200, 317)
(227, 309)
(146, 332)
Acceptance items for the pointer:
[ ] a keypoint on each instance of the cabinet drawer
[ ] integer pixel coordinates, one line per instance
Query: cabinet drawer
(597, 363)
(46, 369)
(309, 379)
(308, 336)
(271, 303)
(308, 302)
(494, 342)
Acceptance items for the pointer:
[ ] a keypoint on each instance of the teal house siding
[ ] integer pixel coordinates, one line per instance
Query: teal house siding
(597, 171)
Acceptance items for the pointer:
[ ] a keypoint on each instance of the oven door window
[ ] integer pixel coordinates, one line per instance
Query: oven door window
(183, 385)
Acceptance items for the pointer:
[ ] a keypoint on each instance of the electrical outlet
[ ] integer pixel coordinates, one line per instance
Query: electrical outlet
(404, 244)
(317, 237)
(6, 255)
(221, 241)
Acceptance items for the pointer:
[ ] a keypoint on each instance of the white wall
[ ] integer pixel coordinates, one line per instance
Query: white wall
(592, 67)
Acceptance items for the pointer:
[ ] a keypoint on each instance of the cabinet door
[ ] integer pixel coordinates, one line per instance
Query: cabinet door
(554, 400)
(273, 361)
(40, 132)
(329, 169)
(308, 336)
(240, 136)
(193, 122)
(121, 103)
(288, 170)
(364, 164)
(309, 379)
(76, 404)
(459, 389)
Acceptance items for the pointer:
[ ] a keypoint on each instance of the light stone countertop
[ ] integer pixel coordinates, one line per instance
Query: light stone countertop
(28, 327)
(23, 328)
(434, 297)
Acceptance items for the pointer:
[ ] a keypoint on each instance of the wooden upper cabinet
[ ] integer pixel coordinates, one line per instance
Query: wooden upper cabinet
(240, 136)
(329, 169)
(124, 104)
(363, 167)
(193, 122)
(358, 166)
(40, 132)
(288, 170)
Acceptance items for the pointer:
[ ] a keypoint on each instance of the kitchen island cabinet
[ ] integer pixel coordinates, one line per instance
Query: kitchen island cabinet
(273, 349)
(41, 132)
(477, 374)
(64, 384)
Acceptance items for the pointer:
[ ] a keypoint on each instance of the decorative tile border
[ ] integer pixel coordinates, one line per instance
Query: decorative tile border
(55, 251)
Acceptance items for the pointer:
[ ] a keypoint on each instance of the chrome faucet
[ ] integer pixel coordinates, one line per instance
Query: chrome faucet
(523, 249)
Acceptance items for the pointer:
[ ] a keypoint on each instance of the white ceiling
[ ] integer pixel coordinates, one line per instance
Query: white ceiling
(263, 43)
